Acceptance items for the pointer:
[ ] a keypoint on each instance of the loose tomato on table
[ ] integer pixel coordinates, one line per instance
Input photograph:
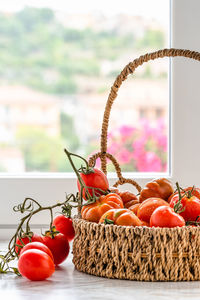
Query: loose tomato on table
(25, 240)
(35, 264)
(123, 217)
(65, 226)
(165, 216)
(96, 179)
(148, 206)
(159, 188)
(128, 198)
(93, 212)
(59, 246)
(190, 206)
(39, 246)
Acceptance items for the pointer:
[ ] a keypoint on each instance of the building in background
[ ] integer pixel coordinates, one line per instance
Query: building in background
(21, 107)
(137, 99)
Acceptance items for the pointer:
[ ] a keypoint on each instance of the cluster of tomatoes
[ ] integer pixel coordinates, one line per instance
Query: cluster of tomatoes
(38, 255)
(157, 205)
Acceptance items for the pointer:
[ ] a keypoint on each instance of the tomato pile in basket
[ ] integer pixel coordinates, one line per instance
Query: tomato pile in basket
(157, 205)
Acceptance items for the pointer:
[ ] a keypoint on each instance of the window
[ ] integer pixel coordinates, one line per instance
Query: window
(184, 119)
(58, 62)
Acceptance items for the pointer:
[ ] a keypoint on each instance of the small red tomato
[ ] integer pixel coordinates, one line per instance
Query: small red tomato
(97, 179)
(25, 240)
(148, 206)
(165, 216)
(35, 264)
(190, 206)
(65, 226)
(194, 191)
(39, 246)
(189, 192)
(59, 247)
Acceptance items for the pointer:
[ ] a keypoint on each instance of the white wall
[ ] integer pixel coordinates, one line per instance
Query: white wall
(186, 93)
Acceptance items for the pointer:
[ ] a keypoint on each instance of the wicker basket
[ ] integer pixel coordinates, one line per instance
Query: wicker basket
(135, 253)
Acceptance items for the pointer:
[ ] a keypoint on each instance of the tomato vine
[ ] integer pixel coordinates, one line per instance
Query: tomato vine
(31, 207)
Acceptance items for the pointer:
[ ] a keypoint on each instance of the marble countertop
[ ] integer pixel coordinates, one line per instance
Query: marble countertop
(68, 283)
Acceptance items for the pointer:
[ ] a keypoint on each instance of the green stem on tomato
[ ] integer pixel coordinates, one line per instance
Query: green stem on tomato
(178, 207)
(82, 158)
(20, 234)
(82, 183)
(28, 207)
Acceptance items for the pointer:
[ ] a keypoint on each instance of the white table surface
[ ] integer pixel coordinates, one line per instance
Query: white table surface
(68, 283)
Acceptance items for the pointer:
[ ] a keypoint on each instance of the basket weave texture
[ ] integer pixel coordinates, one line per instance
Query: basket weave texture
(135, 253)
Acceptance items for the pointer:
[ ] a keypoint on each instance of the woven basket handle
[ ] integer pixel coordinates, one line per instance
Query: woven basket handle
(129, 69)
(121, 179)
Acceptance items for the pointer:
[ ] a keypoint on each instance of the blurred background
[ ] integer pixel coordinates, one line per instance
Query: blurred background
(57, 64)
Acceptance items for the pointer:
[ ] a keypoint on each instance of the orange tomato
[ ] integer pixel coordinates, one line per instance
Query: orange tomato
(159, 188)
(134, 208)
(93, 212)
(147, 207)
(123, 217)
(128, 198)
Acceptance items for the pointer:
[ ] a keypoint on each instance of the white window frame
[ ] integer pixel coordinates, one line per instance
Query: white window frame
(48, 188)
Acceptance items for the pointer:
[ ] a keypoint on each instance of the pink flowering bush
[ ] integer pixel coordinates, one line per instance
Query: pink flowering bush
(141, 149)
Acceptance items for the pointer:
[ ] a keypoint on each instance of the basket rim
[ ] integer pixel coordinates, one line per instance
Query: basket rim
(146, 229)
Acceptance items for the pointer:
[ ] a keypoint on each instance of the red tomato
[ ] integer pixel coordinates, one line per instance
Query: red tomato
(165, 216)
(95, 180)
(59, 247)
(25, 240)
(65, 226)
(190, 205)
(35, 264)
(37, 245)
(194, 192)
(148, 206)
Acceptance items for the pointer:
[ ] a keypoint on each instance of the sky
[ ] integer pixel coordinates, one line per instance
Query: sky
(158, 9)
